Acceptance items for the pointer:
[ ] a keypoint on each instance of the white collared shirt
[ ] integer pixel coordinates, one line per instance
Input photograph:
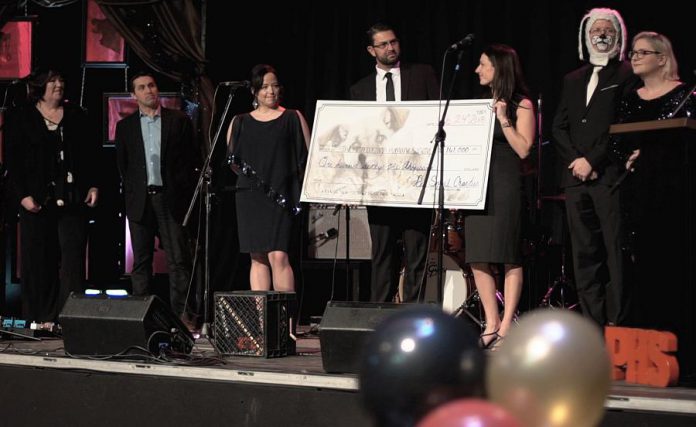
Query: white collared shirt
(381, 81)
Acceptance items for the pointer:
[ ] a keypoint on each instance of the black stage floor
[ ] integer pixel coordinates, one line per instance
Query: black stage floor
(39, 385)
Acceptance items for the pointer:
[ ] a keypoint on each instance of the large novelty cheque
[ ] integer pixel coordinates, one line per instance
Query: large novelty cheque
(369, 153)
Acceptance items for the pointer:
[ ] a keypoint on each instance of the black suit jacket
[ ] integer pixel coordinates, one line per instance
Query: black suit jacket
(179, 158)
(583, 130)
(418, 83)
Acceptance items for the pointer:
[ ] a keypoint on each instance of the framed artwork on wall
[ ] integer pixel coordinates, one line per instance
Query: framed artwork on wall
(15, 49)
(103, 46)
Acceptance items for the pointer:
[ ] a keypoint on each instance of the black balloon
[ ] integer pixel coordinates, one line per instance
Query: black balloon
(417, 359)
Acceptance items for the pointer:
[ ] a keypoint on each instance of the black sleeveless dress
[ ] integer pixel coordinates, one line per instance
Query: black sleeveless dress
(493, 235)
(276, 151)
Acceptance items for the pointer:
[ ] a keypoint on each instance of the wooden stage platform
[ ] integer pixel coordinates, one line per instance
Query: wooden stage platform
(40, 385)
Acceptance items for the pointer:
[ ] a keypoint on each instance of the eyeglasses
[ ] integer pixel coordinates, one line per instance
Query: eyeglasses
(384, 45)
(597, 31)
(641, 53)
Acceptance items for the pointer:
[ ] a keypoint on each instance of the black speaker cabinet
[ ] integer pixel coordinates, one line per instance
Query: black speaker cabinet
(344, 330)
(103, 325)
(326, 227)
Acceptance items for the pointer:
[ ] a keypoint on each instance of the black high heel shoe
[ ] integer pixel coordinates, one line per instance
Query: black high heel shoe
(490, 344)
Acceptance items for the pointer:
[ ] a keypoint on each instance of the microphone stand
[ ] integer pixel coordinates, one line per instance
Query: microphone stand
(440, 137)
(204, 177)
(349, 272)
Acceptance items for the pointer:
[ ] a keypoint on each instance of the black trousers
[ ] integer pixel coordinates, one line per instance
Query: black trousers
(387, 226)
(158, 217)
(53, 244)
(594, 221)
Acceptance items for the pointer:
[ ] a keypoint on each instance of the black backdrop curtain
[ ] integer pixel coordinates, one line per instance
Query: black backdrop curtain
(7, 10)
(318, 47)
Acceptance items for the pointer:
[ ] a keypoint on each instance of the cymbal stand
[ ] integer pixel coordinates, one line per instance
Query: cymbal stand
(562, 283)
(473, 303)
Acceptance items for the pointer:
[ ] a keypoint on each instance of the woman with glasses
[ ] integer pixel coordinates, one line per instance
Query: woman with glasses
(657, 199)
(653, 60)
(269, 147)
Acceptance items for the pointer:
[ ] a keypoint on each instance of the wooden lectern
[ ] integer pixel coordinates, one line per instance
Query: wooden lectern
(659, 204)
(681, 123)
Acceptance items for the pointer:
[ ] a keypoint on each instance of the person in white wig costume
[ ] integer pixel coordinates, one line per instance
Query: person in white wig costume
(581, 133)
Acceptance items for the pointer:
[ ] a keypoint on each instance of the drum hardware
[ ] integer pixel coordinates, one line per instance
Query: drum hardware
(561, 285)
(456, 273)
(472, 308)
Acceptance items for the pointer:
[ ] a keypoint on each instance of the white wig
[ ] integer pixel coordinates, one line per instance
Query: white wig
(610, 15)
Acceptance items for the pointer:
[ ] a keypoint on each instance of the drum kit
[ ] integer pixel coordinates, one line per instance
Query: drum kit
(460, 297)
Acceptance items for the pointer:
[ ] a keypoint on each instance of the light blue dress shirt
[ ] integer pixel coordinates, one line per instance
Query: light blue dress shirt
(151, 128)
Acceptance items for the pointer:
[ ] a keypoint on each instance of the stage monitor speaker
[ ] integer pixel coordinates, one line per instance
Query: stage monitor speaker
(103, 325)
(327, 237)
(344, 329)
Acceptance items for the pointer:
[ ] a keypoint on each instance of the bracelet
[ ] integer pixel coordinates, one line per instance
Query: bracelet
(506, 124)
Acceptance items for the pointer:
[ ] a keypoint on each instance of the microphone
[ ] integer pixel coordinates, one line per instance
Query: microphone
(461, 44)
(336, 209)
(331, 233)
(240, 83)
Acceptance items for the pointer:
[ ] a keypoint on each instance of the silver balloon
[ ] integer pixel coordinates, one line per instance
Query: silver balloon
(551, 370)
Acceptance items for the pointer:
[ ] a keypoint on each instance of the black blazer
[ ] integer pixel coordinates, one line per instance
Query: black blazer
(30, 160)
(418, 83)
(581, 130)
(179, 159)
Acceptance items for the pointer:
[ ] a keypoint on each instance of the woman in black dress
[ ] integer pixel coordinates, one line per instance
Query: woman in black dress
(269, 149)
(657, 200)
(661, 92)
(493, 235)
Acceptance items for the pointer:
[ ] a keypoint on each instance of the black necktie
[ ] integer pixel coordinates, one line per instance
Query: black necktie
(390, 87)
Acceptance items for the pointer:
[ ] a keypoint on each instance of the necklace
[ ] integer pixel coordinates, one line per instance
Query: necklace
(51, 117)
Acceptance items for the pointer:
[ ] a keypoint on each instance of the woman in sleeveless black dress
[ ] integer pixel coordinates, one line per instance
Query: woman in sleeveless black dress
(493, 235)
(271, 142)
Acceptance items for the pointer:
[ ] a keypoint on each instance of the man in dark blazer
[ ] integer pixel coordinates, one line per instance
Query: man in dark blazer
(393, 80)
(581, 131)
(157, 158)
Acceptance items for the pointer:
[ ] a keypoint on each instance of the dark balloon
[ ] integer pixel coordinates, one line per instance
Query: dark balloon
(417, 359)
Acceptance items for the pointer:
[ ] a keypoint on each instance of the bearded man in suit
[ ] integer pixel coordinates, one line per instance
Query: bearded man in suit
(394, 80)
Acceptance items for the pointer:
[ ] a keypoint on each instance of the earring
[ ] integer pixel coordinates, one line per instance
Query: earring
(255, 104)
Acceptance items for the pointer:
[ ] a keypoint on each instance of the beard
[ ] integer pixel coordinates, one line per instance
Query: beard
(388, 59)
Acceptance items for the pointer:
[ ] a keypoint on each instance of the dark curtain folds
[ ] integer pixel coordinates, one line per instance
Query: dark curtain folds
(8, 9)
(166, 35)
